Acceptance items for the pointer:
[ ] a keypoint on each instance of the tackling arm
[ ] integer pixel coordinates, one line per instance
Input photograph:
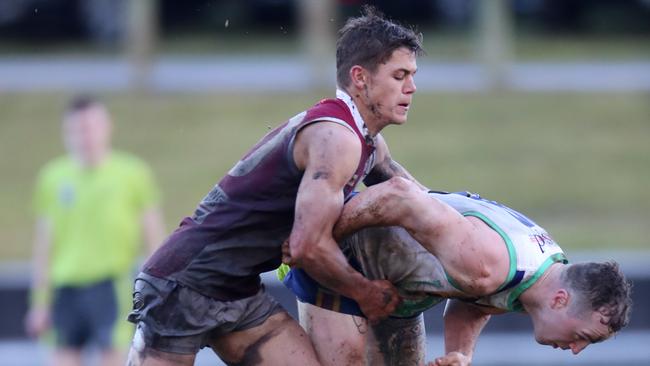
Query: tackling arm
(387, 168)
(397, 202)
(329, 154)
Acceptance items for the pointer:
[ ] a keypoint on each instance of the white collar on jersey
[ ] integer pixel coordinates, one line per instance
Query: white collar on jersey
(358, 120)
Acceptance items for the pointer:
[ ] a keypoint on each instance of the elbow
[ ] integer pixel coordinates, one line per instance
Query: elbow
(477, 286)
(475, 274)
(400, 186)
(484, 280)
(303, 256)
(297, 255)
(399, 197)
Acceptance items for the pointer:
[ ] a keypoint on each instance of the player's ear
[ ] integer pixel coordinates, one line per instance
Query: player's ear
(560, 299)
(358, 76)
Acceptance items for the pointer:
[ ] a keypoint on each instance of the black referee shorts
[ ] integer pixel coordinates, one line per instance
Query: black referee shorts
(84, 315)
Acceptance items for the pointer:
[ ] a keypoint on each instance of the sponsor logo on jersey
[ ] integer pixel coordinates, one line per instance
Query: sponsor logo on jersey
(543, 240)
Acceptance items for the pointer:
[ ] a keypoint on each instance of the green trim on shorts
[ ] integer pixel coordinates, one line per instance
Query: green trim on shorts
(512, 252)
(408, 308)
(411, 307)
(513, 304)
(415, 285)
(452, 281)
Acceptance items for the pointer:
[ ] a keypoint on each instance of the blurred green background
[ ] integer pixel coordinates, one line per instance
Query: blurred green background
(578, 164)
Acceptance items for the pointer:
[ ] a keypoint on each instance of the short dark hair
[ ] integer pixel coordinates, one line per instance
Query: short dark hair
(369, 40)
(81, 102)
(601, 287)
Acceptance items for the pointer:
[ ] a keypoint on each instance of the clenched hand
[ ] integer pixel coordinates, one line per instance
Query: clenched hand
(452, 359)
(379, 300)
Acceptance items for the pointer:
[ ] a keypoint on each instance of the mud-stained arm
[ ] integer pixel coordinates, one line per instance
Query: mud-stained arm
(441, 230)
(463, 325)
(386, 168)
(398, 341)
(329, 154)
(153, 228)
(396, 202)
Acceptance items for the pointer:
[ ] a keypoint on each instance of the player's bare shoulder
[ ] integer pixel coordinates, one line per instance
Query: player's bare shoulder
(326, 142)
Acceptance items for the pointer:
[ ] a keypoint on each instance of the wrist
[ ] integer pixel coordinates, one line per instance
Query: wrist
(362, 289)
(40, 298)
(465, 354)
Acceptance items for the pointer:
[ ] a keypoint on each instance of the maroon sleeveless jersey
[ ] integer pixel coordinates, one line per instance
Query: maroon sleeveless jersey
(237, 230)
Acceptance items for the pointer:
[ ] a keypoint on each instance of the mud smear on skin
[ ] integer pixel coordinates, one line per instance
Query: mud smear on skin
(400, 341)
(325, 141)
(352, 358)
(373, 108)
(252, 354)
(320, 175)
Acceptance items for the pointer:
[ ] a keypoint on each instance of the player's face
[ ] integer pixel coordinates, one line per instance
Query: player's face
(87, 134)
(571, 333)
(389, 91)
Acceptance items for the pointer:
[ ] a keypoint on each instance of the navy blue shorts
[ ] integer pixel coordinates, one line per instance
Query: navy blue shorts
(84, 315)
(309, 291)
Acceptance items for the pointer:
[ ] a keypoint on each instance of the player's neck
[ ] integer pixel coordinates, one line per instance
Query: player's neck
(535, 297)
(371, 118)
(91, 162)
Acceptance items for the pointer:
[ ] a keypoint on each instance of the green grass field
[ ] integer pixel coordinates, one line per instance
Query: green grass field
(579, 164)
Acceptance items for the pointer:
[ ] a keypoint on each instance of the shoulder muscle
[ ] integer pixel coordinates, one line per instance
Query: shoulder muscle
(327, 147)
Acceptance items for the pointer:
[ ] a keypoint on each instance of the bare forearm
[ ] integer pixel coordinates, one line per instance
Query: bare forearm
(37, 319)
(463, 325)
(330, 268)
(329, 154)
(41, 263)
(399, 171)
(314, 249)
(368, 209)
(153, 229)
(392, 203)
(387, 169)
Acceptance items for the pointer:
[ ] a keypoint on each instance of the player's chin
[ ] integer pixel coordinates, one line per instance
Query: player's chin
(400, 118)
